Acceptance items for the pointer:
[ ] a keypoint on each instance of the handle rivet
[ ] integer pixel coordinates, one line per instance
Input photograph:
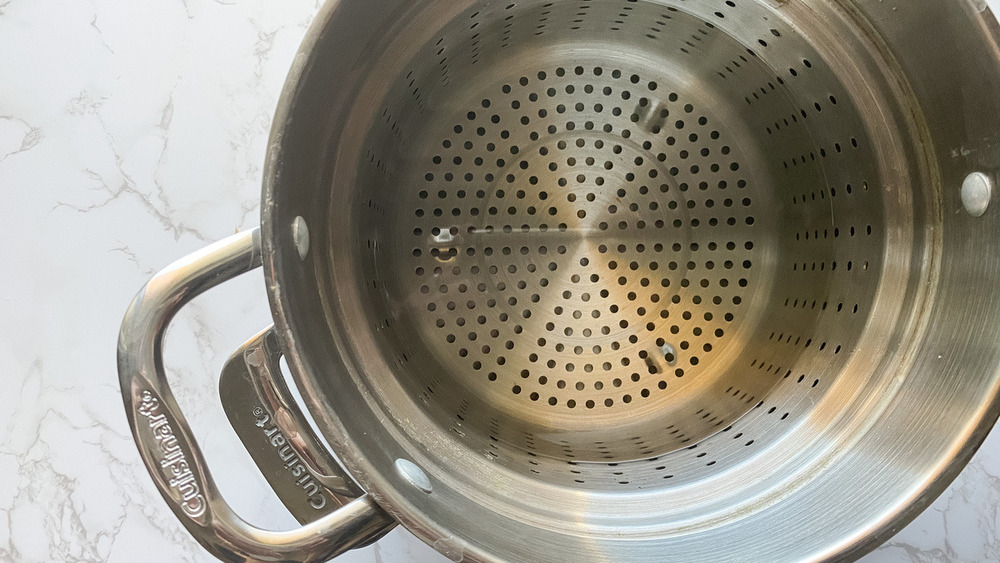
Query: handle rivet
(413, 475)
(300, 236)
(977, 190)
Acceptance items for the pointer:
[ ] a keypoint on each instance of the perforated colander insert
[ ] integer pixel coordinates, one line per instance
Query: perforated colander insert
(612, 244)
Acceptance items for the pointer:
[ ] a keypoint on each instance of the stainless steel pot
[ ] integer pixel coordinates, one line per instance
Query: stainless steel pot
(608, 280)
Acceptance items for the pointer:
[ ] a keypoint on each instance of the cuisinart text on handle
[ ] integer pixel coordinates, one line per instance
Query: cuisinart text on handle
(174, 463)
(293, 464)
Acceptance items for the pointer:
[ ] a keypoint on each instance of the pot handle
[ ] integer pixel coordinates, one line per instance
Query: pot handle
(168, 447)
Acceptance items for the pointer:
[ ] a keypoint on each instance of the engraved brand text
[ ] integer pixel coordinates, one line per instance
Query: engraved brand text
(293, 464)
(174, 463)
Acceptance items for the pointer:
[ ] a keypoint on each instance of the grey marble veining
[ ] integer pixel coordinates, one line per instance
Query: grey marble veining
(132, 133)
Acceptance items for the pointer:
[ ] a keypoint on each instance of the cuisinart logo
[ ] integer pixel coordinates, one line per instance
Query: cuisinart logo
(293, 464)
(174, 463)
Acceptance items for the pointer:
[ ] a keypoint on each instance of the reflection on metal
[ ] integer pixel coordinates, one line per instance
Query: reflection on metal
(167, 444)
(300, 234)
(414, 475)
(532, 201)
(261, 409)
(977, 191)
(639, 279)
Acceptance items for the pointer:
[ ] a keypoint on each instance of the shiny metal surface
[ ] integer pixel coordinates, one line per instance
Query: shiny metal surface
(573, 263)
(167, 445)
(263, 412)
(977, 193)
(478, 179)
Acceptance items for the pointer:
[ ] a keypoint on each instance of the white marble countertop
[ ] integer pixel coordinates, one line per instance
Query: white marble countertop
(132, 133)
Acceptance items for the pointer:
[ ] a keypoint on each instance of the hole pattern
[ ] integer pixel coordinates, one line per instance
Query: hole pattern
(589, 188)
(541, 209)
